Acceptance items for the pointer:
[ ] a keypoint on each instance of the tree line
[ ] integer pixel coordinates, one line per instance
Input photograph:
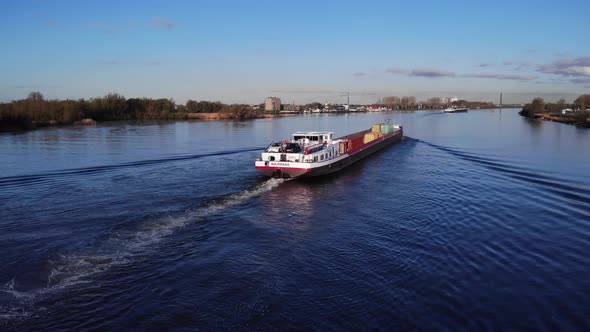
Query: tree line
(538, 105)
(409, 102)
(396, 102)
(35, 110)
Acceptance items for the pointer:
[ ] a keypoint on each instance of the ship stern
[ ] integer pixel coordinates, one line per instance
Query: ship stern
(274, 170)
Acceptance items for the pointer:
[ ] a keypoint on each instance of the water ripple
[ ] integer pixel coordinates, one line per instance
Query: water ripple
(43, 178)
(121, 247)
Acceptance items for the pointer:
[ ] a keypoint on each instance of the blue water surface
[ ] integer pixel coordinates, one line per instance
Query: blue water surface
(475, 221)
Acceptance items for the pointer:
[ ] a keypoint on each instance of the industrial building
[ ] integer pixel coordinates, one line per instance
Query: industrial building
(272, 104)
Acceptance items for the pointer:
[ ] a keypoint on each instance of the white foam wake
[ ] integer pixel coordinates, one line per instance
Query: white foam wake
(11, 311)
(122, 246)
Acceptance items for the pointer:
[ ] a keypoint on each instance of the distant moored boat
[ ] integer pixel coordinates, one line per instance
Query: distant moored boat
(456, 110)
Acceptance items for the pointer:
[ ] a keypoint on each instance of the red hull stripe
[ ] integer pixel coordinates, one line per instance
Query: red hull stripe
(287, 168)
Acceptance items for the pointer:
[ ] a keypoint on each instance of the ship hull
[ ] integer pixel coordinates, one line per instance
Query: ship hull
(336, 165)
(458, 110)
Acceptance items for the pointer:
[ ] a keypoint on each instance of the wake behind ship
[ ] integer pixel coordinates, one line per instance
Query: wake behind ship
(309, 154)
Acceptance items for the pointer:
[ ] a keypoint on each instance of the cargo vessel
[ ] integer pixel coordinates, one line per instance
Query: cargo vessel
(314, 153)
(456, 110)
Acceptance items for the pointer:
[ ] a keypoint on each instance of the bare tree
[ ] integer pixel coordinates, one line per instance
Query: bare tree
(36, 96)
(391, 101)
(408, 101)
(538, 105)
(583, 101)
(435, 101)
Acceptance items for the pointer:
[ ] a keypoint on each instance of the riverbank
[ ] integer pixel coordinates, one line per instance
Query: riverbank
(20, 125)
(225, 116)
(25, 124)
(578, 119)
(36, 112)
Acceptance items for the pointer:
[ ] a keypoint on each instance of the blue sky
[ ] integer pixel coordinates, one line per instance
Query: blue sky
(242, 51)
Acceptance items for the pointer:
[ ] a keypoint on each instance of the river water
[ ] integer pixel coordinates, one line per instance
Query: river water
(475, 221)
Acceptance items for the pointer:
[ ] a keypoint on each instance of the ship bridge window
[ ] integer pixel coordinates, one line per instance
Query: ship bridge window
(292, 148)
(308, 137)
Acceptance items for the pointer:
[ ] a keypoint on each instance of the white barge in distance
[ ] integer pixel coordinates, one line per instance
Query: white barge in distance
(314, 153)
(456, 110)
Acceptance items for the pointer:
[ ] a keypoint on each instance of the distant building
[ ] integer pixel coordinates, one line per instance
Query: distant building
(290, 108)
(453, 99)
(272, 104)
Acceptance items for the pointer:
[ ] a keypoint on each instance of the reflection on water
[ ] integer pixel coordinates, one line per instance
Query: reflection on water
(291, 206)
(534, 124)
(133, 225)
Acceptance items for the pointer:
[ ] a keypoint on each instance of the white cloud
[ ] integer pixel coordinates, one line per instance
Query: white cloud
(500, 76)
(162, 23)
(430, 73)
(568, 67)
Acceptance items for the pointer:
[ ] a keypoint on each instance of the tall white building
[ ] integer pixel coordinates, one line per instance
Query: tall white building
(272, 104)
